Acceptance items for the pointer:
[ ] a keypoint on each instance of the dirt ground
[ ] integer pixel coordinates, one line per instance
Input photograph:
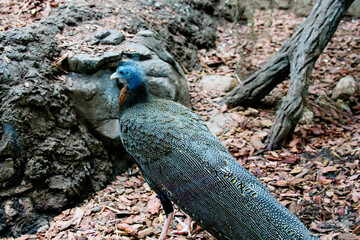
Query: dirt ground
(316, 175)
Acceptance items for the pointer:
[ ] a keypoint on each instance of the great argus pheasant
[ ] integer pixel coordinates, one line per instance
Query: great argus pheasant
(185, 164)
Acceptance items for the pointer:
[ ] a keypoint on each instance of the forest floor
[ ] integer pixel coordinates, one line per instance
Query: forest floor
(316, 175)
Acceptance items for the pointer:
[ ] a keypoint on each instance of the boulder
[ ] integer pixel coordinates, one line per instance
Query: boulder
(95, 97)
(218, 83)
(96, 103)
(344, 89)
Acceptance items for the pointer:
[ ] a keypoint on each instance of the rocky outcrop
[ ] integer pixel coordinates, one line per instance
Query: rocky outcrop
(59, 135)
(58, 132)
(48, 158)
(188, 26)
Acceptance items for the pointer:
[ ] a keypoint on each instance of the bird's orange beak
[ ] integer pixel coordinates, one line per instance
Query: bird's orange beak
(114, 76)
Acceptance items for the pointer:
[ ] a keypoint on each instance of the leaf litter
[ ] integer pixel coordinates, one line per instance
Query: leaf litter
(316, 175)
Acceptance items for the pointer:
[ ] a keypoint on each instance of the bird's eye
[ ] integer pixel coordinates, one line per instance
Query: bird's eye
(121, 73)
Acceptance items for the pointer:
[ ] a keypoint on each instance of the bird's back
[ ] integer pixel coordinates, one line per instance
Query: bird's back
(181, 158)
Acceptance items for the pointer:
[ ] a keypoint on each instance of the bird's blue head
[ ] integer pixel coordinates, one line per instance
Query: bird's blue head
(131, 79)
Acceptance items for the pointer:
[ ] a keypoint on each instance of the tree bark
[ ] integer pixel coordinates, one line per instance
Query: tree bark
(297, 56)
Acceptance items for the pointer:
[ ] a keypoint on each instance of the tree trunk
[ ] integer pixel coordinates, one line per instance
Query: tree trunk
(297, 56)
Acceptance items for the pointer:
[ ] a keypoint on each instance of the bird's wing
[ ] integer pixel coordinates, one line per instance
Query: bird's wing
(202, 178)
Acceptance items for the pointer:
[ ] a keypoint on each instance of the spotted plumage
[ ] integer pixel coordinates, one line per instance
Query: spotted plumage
(183, 162)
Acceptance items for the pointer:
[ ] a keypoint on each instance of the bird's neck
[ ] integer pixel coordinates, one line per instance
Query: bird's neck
(130, 96)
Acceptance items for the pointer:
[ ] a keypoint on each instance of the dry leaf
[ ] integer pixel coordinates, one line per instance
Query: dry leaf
(153, 206)
(256, 142)
(282, 183)
(329, 169)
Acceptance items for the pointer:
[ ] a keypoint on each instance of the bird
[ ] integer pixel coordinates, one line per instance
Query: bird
(188, 166)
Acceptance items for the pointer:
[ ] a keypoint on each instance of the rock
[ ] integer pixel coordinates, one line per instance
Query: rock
(59, 182)
(192, 25)
(166, 81)
(344, 89)
(36, 168)
(157, 5)
(109, 37)
(283, 4)
(27, 205)
(147, 33)
(303, 8)
(110, 129)
(151, 41)
(218, 83)
(102, 34)
(218, 121)
(112, 59)
(114, 38)
(50, 201)
(95, 97)
(251, 112)
(307, 117)
(85, 63)
(354, 9)
(136, 50)
(266, 123)
(6, 171)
